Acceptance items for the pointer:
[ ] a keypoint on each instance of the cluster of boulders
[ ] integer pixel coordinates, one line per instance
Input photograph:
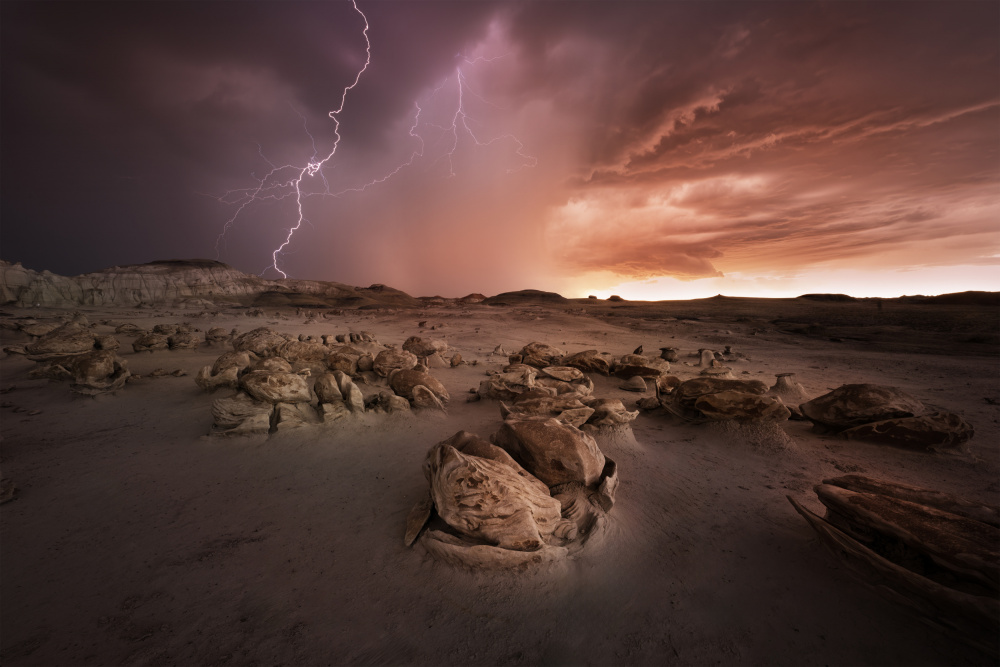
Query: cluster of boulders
(71, 352)
(282, 382)
(534, 494)
(887, 415)
(706, 399)
(162, 337)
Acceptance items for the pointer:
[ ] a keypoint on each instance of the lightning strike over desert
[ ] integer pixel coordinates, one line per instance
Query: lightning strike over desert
(479, 333)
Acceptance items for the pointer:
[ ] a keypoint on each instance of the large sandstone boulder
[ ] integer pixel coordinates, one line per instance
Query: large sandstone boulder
(719, 399)
(149, 342)
(303, 354)
(567, 408)
(238, 360)
(541, 355)
(183, 340)
(67, 340)
(553, 452)
(261, 341)
(486, 500)
(636, 365)
(856, 404)
(276, 387)
(391, 360)
(741, 406)
(609, 412)
(328, 389)
(403, 382)
(590, 361)
(424, 347)
(344, 358)
(933, 430)
(241, 415)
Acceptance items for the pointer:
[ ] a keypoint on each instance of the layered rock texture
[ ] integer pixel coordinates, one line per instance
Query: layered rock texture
(195, 283)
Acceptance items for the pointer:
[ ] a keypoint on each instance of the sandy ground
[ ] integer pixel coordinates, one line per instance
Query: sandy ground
(138, 540)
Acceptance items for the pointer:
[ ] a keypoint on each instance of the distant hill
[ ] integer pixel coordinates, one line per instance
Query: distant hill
(827, 297)
(972, 298)
(185, 283)
(526, 296)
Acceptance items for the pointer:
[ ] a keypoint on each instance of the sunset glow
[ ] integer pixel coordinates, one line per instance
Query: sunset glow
(677, 150)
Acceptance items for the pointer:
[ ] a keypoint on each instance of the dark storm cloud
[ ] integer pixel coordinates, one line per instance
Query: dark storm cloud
(666, 139)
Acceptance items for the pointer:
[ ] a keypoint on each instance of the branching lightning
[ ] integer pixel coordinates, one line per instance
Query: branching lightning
(285, 182)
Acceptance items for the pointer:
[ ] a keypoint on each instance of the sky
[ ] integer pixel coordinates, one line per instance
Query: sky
(655, 150)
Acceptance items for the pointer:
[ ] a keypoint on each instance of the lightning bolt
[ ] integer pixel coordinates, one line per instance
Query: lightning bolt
(285, 181)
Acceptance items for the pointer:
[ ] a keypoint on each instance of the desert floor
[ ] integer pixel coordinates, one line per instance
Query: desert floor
(137, 539)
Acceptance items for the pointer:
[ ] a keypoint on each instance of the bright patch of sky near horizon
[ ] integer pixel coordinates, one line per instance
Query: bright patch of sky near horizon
(683, 149)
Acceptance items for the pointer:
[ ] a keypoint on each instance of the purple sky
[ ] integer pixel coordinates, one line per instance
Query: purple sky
(656, 149)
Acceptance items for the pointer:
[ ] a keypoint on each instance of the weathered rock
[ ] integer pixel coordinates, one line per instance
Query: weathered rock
(66, 340)
(424, 399)
(669, 354)
(509, 384)
(344, 358)
(741, 406)
(353, 398)
(633, 365)
(541, 355)
(92, 373)
(687, 392)
(229, 377)
(216, 335)
(567, 408)
(552, 451)
(590, 361)
(238, 360)
(609, 412)
(182, 340)
(271, 364)
(722, 399)
(939, 565)
(128, 328)
(648, 403)
(390, 360)
(788, 390)
(294, 415)
(720, 372)
(635, 383)
(706, 358)
(386, 401)
(106, 343)
(366, 363)
(456, 360)
(562, 373)
(403, 381)
(424, 347)
(327, 389)
(665, 384)
(933, 430)
(149, 342)
(487, 500)
(857, 404)
(303, 354)
(968, 548)
(331, 412)
(165, 329)
(261, 341)
(241, 415)
(276, 387)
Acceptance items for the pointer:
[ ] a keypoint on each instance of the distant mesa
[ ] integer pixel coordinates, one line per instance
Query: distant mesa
(615, 297)
(525, 296)
(971, 298)
(185, 283)
(475, 297)
(827, 297)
